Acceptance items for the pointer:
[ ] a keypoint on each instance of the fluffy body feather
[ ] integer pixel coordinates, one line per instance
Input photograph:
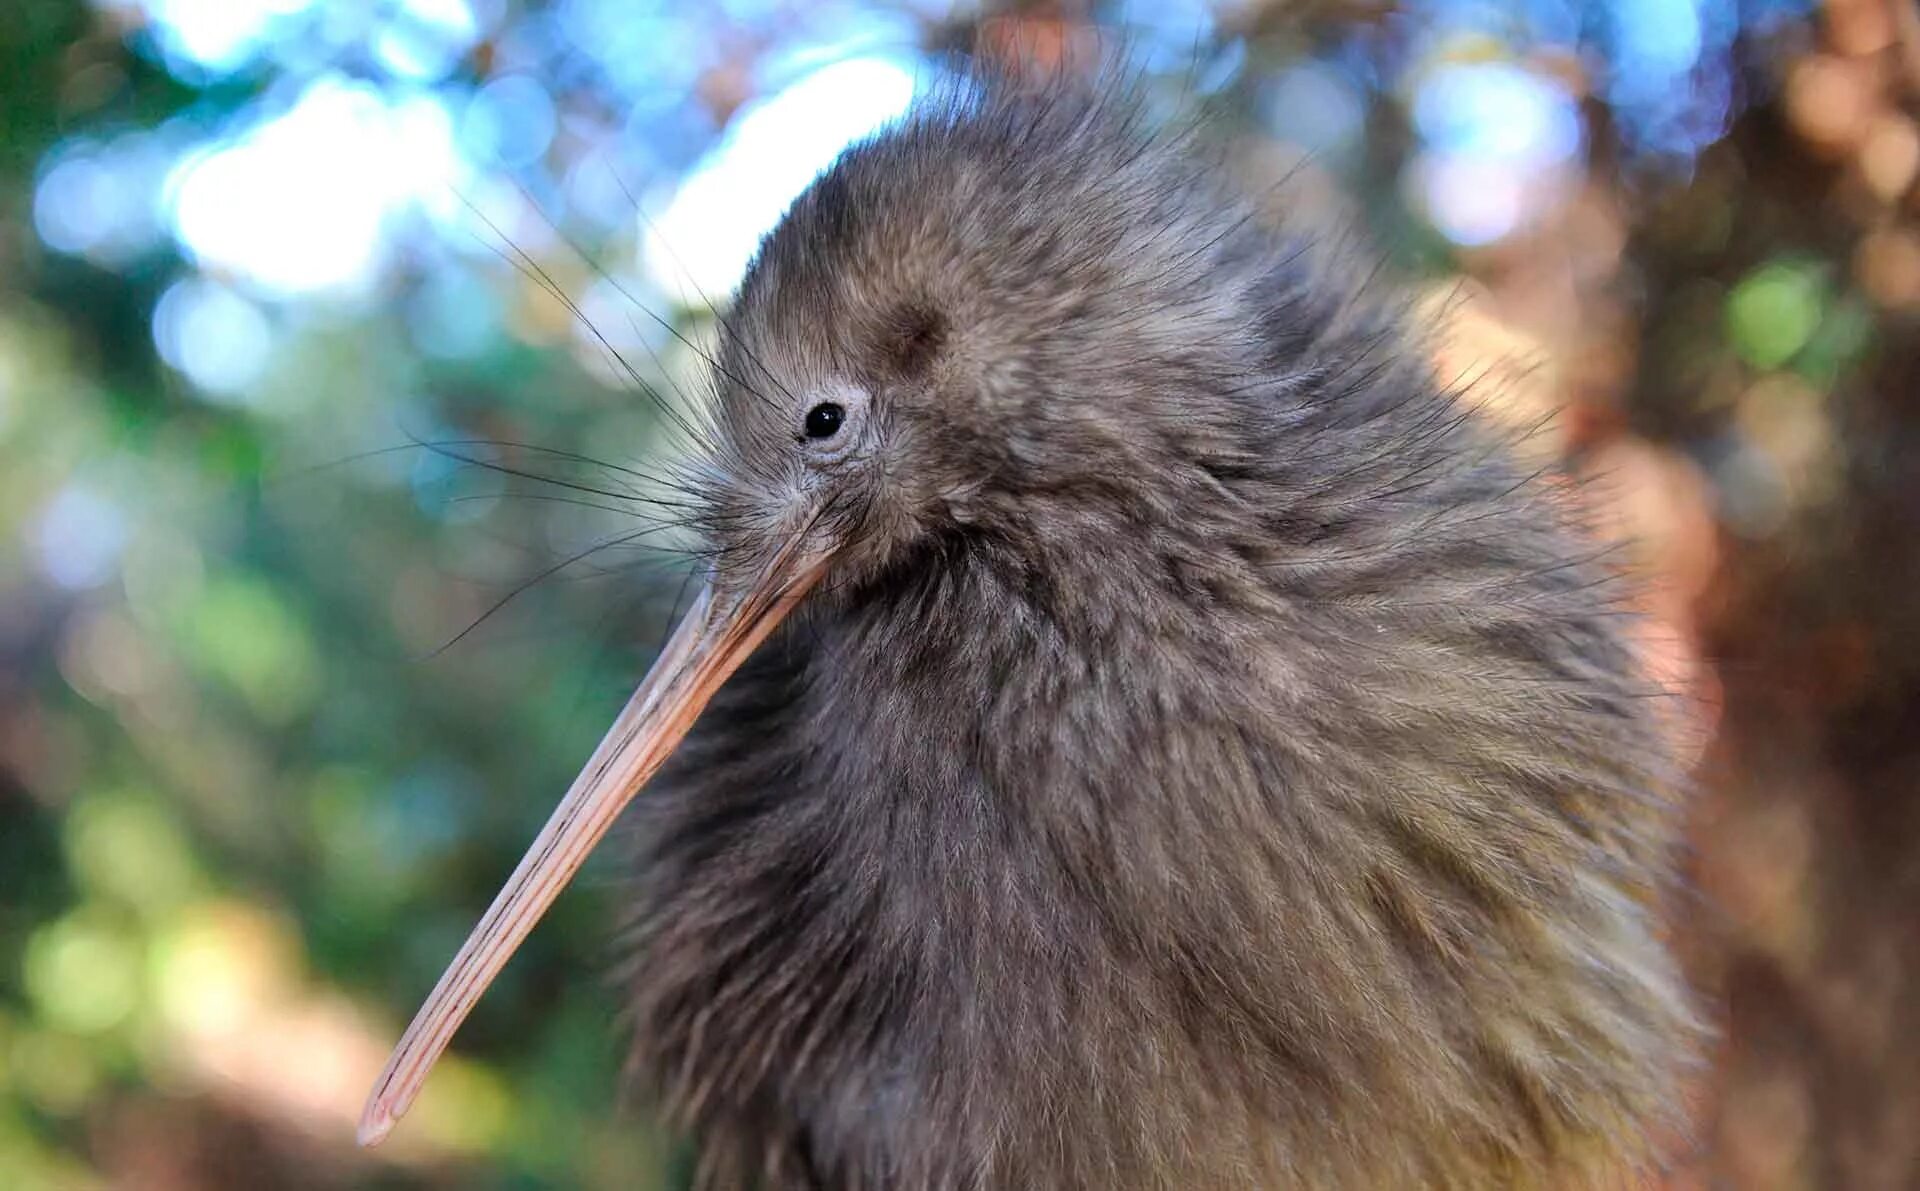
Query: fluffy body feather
(1212, 762)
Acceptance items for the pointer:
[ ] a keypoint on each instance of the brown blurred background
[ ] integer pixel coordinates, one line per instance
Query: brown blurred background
(287, 681)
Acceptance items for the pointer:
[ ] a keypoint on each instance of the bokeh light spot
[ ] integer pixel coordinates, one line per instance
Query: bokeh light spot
(81, 534)
(1497, 111)
(217, 35)
(82, 973)
(76, 204)
(220, 965)
(125, 846)
(96, 199)
(510, 122)
(426, 38)
(1315, 107)
(1661, 37)
(772, 151)
(302, 202)
(217, 338)
(1495, 135)
(1773, 312)
(243, 631)
(57, 1071)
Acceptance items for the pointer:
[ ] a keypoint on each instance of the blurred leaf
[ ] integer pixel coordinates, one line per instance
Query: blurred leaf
(1774, 311)
(128, 846)
(246, 634)
(83, 971)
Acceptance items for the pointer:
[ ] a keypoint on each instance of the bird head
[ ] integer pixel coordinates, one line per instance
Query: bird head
(973, 324)
(1004, 314)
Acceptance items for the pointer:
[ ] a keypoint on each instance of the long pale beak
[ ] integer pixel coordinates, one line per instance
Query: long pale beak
(717, 634)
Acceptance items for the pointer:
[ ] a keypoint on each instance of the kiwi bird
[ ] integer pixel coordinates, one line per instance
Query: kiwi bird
(1140, 729)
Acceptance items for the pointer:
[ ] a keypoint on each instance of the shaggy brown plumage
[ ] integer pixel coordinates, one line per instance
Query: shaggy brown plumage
(1209, 761)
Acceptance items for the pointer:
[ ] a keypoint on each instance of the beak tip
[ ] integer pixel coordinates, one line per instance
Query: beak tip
(375, 1124)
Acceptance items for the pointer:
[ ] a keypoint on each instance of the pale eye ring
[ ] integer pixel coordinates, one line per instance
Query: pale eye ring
(825, 419)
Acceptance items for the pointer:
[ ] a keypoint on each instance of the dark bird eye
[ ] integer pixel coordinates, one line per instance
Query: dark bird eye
(823, 420)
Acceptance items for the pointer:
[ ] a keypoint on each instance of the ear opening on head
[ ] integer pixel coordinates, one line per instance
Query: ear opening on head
(914, 336)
